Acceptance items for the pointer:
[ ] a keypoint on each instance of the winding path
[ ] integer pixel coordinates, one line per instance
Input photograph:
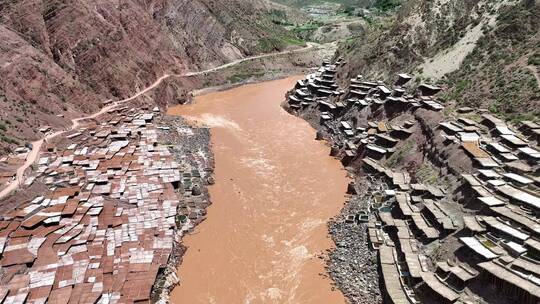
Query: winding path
(36, 145)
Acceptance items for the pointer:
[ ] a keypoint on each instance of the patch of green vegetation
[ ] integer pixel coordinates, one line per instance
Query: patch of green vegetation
(514, 95)
(488, 243)
(395, 159)
(180, 219)
(305, 31)
(427, 174)
(243, 75)
(349, 43)
(474, 117)
(386, 5)
(457, 90)
(348, 10)
(379, 24)
(3, 126)
(8, 140)
(270, 44)
(448, 111)
(294, 41)
(279, 17)
(534, 59)
(307, 27)
(368, 20)
(518, 118)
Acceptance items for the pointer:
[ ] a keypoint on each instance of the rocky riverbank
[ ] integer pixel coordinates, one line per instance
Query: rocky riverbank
(352, 264)
(186, 142)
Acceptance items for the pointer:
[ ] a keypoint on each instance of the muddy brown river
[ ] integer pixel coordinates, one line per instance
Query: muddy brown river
(276, 187)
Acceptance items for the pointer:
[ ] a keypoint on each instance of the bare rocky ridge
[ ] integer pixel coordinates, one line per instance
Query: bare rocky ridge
(418, 31)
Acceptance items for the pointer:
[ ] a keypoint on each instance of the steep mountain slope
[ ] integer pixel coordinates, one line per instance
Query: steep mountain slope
(213, 32)
(300, 3)
(483, 51)
(65, 57)
(501, 73)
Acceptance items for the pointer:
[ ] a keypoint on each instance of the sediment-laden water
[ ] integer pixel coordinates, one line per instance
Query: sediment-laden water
(276, 187)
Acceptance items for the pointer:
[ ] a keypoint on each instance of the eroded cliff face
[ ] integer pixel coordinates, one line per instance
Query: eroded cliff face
(66, 57)
(34, 89)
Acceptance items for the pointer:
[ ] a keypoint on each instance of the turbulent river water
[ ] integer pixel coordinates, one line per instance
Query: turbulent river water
(276, 187)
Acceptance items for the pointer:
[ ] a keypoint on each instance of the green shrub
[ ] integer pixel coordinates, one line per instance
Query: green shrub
(400, 154)
(534, 59)
(9, 140)
(386, 5)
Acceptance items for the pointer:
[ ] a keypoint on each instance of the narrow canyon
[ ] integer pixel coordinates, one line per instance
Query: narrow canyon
(266, 228)
(270, 151)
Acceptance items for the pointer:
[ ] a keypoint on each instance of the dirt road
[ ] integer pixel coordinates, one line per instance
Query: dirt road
(33, 155)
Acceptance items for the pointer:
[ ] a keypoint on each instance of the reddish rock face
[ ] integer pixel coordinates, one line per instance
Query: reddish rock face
(66, 57)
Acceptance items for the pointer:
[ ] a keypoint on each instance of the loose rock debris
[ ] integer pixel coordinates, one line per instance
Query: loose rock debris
(352, 265)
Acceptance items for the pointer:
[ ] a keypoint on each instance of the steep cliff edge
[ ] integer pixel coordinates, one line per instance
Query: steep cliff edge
(60, 58)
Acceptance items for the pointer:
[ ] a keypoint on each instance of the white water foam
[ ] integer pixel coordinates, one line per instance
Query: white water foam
(260, 165)
(216, 121)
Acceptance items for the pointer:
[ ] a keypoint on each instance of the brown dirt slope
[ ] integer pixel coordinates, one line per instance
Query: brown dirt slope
(478, 50)
(62, 57)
